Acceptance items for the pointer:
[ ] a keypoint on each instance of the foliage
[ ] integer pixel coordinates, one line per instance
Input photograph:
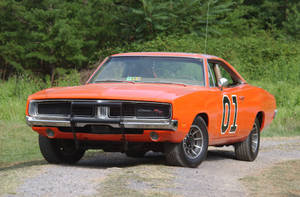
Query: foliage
(44, 35)
(153, 17)
(14, 92)
(277, 14)
(292, 23)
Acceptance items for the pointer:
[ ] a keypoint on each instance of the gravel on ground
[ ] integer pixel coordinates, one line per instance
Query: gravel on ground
(218, 176)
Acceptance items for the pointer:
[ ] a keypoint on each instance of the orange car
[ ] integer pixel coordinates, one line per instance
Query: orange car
(175, 103)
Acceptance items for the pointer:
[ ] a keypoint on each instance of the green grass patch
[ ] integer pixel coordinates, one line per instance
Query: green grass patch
(286, 123)
(18, 143)
(283, 179)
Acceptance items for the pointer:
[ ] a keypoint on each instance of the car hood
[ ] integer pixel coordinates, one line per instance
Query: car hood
(119, 91)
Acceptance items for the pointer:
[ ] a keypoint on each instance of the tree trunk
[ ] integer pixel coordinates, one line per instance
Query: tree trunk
(52, 75)
(4, 71)
(286, 10)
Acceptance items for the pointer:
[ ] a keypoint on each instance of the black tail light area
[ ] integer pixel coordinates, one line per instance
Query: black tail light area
(152, 111)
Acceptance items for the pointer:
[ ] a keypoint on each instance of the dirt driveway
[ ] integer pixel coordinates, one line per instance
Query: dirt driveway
(114, 174)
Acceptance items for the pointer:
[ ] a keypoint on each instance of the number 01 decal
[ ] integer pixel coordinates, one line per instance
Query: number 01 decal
(227, 111)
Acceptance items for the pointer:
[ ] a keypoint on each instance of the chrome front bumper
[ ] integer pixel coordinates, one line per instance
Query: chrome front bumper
(157, 124)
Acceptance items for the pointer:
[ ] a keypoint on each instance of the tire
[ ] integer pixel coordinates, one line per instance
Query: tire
(135, 154)
(248, 149)
(192, 150)
(58, 151)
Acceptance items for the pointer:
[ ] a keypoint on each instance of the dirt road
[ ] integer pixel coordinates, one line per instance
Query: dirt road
(114, 174)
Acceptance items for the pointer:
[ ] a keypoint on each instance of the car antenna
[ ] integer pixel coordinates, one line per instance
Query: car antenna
(206, 30)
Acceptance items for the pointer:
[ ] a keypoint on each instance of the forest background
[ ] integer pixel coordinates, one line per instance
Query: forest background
(46, 43)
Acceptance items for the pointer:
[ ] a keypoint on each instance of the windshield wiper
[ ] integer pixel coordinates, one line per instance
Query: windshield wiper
(164, 82)
(113, 81)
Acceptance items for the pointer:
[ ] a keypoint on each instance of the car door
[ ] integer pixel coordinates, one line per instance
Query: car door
(214, 104)
(233, 110)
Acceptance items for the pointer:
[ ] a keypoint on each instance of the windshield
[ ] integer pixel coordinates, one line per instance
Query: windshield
(146, 69)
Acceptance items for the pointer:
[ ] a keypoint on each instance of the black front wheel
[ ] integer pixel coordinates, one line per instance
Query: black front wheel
(60, 150)
(193, 149)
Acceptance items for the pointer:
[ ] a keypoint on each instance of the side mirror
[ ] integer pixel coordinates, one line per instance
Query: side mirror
(223, 82)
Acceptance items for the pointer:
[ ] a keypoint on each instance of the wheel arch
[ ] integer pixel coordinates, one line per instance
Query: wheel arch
(204, 116)
(260, 116)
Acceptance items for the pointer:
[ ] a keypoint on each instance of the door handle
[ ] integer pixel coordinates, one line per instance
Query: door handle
(241, 97)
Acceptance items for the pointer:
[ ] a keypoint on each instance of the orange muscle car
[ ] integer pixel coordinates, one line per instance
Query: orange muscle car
(175, 103)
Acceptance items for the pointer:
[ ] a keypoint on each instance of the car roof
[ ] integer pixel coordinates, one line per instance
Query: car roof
(167, 54)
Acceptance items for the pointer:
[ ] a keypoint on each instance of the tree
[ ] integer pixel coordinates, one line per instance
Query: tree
(12, 37)
(148, 18)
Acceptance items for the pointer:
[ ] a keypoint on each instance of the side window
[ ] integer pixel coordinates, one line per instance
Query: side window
(226, 75)
(220, 70)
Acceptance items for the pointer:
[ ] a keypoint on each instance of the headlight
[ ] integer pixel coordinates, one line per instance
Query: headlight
(153, 111)
(142, 110)
(32, 108)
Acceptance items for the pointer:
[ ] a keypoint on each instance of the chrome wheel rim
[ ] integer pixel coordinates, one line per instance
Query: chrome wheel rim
(254, 138)
(193, 142)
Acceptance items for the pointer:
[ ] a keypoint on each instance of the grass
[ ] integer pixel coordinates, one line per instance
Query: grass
(283, 179)
(18, 143)
(286, 123)
(12, 178)
(148, 181)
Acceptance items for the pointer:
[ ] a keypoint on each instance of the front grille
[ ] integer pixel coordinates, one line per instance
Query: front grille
(64, 108)
(84, 110)
(129, 109)
(54, 108)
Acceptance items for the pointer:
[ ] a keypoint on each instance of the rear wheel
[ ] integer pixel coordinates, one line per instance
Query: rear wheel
(59, 150)
(248, 149)
(192, 150)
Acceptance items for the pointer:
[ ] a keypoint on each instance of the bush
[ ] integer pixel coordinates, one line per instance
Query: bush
(14, 92)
